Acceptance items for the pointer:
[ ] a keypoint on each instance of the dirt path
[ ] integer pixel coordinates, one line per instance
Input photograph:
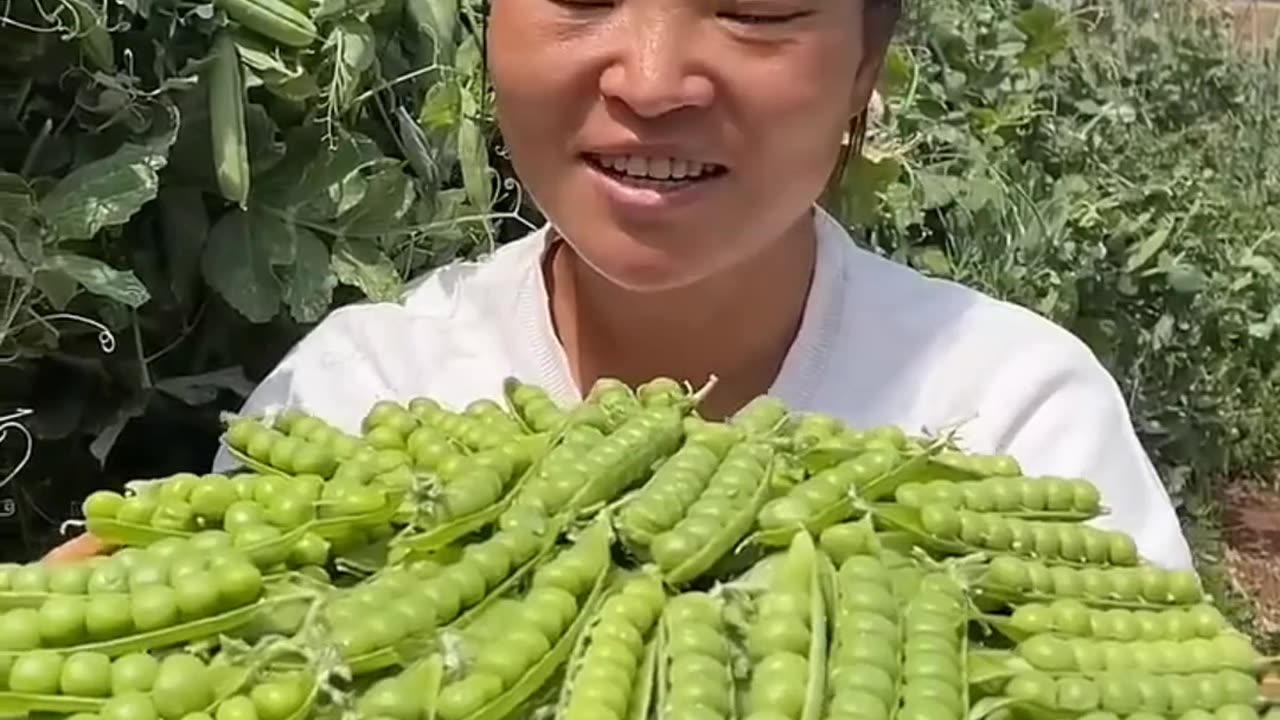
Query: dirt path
(1251, 531)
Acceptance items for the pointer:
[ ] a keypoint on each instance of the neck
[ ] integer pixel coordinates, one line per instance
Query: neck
(737, 326)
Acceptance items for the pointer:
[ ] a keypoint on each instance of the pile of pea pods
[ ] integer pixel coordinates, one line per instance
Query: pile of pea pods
(619, 559)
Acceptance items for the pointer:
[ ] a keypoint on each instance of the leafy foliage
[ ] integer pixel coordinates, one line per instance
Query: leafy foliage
(1112, 165)
(1104, 163)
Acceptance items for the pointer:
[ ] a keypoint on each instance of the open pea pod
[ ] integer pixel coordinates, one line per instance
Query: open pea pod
(734, 530)
(211, 626)
(542, 671)
(15, 600)
(22, 704)
(117, 532)
(255, 465)
(432, 538)
(646, 675)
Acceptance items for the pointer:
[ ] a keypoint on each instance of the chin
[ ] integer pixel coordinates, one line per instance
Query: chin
(639, 267)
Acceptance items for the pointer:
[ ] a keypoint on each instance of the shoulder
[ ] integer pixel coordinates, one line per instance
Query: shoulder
(934, 355)
(449, 323)
(953, 352)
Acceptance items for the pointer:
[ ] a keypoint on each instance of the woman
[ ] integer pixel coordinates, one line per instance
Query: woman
(678, 148)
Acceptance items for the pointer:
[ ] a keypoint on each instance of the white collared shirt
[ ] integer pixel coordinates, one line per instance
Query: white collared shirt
(879, 344)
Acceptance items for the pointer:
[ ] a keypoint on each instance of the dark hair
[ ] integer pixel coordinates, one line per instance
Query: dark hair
(882, 20)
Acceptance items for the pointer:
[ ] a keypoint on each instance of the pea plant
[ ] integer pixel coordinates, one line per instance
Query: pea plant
(1111, 165)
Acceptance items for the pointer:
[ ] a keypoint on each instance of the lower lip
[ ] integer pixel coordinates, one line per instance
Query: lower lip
(637, 199)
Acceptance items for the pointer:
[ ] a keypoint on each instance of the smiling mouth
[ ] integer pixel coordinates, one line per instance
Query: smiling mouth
(662, 173)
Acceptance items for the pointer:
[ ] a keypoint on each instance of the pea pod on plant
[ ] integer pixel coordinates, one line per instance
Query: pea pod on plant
(226, 120)
(787, 637)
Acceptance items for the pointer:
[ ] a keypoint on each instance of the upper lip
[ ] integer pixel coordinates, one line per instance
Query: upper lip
(653, 150)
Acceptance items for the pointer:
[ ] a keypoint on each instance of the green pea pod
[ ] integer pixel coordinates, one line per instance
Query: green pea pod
(531, 406)
(211, 626)
(694, 626)
(544, 669)
(800, 567)
(642, 692)
(614, 397)
(661, 392)
(22, 704)
(432, 538)
(632, 594)
(91, 30)
(912, 521)
(644, 439)
(763, 415)
(673, 478)
(15, 600)
(734, 530)
(513, 580)
(131, 534)
(255, 465)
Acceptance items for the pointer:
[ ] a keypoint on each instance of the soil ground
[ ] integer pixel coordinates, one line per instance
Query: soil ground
(1251, 535)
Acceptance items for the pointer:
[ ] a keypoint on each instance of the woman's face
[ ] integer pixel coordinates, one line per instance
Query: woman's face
(668, 140)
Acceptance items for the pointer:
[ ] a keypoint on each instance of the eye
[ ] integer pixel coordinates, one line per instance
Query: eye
(763, 18)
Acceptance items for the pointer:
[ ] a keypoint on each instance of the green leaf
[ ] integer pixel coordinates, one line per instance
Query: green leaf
(864, 181)
(100, 278)
(184, 225)
(309, 177)
(309, 281)
(1046, 32)
(1142, 253)
(103, 193)
(20, 220)
(237, 262)
(58, 288)
(11, 263)
(388, 197)
(361, 263)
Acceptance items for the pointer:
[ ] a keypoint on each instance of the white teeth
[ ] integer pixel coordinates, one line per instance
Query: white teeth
(654, 168)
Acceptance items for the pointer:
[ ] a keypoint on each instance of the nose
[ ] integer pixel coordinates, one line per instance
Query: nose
(654, 70)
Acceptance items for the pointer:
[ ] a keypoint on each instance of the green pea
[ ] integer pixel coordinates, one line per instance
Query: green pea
(1077, 694)
(977, 497)
(1126, 584)
(1154, 692)
(1230, 712)
(1033, 687)
(1042, 580)
(1070, 617)
(973, 528)
(1034, 494)
(1046, 652)
(1119, 694)
(1006, 493)
(940, 521)
(1121, 549)
(1033, 619)
(1009, 572)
